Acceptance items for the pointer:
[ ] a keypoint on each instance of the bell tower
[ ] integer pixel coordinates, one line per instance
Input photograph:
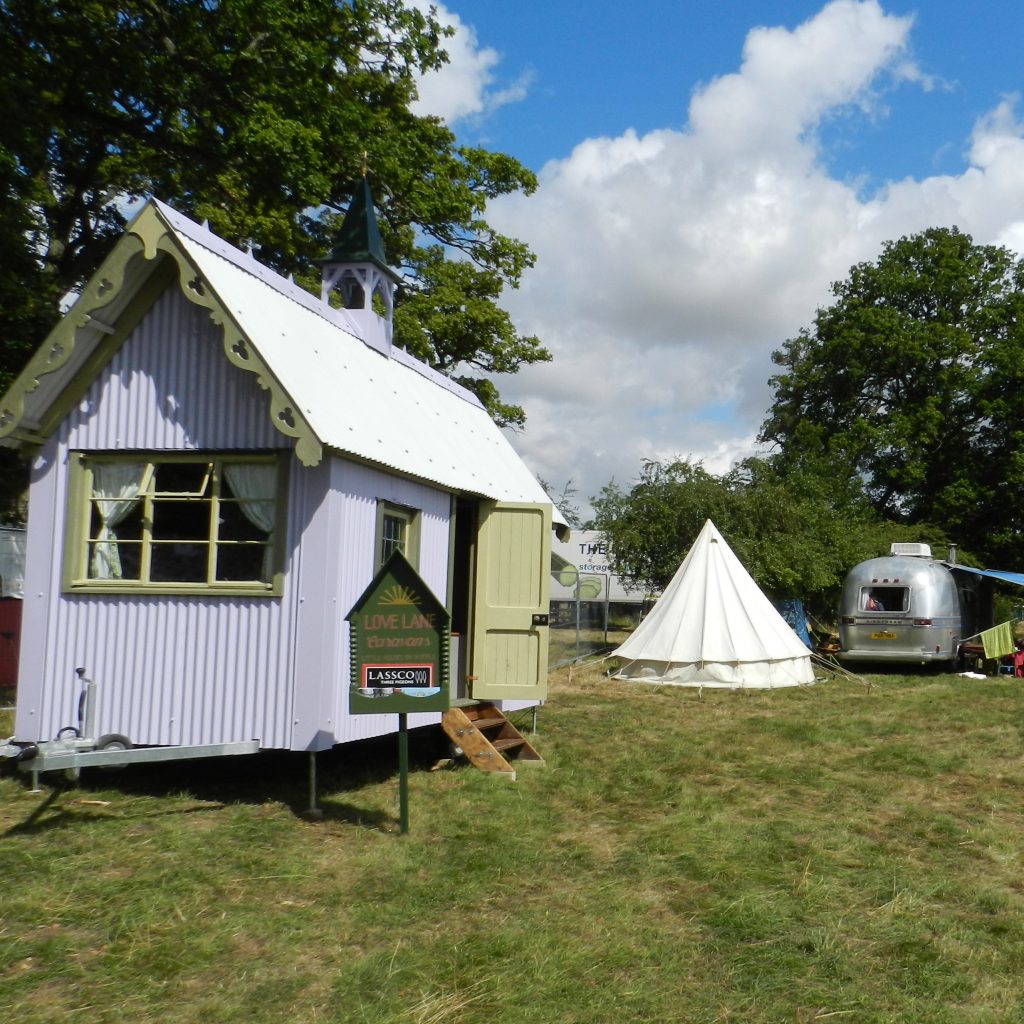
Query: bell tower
(357, 270)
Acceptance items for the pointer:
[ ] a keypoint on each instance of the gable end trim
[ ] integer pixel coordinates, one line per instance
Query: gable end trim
(148, 237)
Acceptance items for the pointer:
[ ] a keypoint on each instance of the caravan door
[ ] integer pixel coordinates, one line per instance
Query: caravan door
(510, 622)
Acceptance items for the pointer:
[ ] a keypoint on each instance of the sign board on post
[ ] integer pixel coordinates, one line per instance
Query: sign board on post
(399, 645)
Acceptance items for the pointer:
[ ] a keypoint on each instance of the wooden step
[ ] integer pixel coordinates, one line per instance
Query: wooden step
(487, 723)
(509, 743)
(487, 738)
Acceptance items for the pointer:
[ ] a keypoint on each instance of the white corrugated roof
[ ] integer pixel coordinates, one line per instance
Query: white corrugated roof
(391, 410)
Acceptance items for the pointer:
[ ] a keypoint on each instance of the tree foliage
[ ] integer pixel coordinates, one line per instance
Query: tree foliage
(565, 500)
(650, 526)
(798, 532)
(258, 116)
(911, 382)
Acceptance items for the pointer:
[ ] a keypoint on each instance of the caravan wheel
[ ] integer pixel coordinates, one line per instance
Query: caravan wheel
(113, 741)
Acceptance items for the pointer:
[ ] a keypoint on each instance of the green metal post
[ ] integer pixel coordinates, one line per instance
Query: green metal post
(403, 773)
(314, 811)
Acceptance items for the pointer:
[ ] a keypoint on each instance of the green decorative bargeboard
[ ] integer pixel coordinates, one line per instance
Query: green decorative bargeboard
(399, 645)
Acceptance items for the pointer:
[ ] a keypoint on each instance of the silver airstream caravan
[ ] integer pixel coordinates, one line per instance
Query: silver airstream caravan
(907, 607)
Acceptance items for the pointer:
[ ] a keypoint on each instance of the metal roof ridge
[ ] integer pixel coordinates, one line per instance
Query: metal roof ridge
(247, 263)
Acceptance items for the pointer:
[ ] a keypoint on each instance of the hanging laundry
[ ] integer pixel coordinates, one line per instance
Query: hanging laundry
(998, 641)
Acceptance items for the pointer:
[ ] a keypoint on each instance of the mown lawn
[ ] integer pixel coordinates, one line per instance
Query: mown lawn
(839, 853)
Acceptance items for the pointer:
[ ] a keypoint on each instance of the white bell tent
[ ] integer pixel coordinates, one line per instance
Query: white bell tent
(714, 627)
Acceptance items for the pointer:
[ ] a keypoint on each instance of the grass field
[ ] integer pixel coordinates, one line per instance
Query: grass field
(566, 645)
(839, 853)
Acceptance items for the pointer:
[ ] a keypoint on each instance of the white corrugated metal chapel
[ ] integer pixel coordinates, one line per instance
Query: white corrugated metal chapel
(220, 464)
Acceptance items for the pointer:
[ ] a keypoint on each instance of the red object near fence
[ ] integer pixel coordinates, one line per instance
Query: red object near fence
(1013, 664)
(10, 641)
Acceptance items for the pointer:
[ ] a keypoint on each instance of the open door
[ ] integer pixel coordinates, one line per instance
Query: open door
(509, 654)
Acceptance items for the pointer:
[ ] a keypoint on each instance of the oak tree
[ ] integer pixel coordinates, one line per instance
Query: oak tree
(912, 382)
(257, 116)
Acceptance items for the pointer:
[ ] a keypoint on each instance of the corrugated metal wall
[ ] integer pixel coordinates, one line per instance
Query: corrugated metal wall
(354, 492)
(177, 670)
(169, 669)
(171, 387)
(184, 670)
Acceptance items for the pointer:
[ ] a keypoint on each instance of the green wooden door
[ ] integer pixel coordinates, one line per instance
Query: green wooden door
(510, 634)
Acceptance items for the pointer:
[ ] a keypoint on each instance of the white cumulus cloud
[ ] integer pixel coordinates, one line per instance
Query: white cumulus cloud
(671, 264)
(465, 87)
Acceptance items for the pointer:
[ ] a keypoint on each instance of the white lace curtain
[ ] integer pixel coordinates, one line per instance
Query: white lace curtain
(255, 486)
(115, 489)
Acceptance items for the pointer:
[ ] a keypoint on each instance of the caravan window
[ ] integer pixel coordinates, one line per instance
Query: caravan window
(178, 524)
(885, 599)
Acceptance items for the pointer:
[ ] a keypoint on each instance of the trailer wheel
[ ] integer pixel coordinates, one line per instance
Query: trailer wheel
(113, 741)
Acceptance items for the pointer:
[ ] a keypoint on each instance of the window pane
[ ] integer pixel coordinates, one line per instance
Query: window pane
(243, 563)
(237, 525)
(249, 481)
(129, 526)
(124, 559)
(178, 563)
(181, 519)
(181, 477)
(885, 599)
(115, 553)
(392, 536)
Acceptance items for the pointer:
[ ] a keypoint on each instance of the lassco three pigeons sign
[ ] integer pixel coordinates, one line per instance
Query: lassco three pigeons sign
(399, 644)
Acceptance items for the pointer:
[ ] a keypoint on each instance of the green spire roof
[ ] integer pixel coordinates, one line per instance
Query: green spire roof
(359, 239)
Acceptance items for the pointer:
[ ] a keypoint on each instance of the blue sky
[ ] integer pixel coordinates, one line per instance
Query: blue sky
(597, 72)
(706, 171)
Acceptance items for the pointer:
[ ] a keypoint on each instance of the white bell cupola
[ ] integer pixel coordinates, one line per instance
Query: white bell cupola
(357, 270)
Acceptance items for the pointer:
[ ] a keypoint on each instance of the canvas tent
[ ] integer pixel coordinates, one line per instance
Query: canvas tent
(714, 627)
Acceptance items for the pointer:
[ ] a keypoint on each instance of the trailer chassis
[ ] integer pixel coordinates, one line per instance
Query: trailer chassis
(77, 747)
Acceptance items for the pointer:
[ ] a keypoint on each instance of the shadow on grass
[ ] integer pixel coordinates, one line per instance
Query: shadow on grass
(269, 776)
(60, 803)
(905, 670)
(362, 817)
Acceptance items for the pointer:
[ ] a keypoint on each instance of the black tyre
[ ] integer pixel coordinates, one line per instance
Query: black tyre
(113, 741)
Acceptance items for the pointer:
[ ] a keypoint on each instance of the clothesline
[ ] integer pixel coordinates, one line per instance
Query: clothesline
(997, 641)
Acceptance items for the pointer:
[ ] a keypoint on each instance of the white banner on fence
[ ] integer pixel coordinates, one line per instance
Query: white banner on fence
(585, 555)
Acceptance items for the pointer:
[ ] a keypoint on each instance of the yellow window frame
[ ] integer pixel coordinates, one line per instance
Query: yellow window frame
(78, 540)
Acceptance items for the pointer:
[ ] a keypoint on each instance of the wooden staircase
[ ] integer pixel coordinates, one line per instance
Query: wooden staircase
(488, 739)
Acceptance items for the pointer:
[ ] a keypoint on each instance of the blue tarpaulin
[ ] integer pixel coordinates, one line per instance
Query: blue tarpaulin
(792, 610)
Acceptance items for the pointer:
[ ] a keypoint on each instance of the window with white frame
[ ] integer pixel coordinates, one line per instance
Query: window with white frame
(193, 523)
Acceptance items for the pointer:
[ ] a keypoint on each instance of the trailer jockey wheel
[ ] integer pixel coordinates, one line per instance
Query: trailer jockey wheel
(113, 741)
